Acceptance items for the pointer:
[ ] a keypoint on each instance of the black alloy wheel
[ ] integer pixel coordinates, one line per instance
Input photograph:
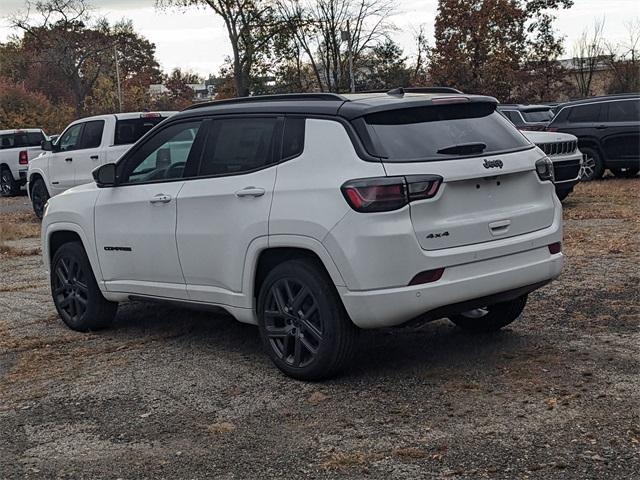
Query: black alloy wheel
(70, 289)
(39, 197)
(292, 322)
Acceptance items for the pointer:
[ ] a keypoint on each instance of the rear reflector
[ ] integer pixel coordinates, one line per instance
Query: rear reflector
(23, 158)
(555, 248)
(384, 194)
(427, 276)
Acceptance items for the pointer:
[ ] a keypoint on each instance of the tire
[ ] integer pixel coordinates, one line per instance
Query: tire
(75, 292)
(39, 197)
(491, 318)
(313, 340)
(8, 185)
(629, 172)
(593, 166)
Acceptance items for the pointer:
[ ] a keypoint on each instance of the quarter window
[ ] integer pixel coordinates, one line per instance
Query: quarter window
(164, 156)
(627, 111)
(238, 145)
(293, 137)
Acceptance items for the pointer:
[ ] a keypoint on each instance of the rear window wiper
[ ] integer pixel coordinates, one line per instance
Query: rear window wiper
(464, 148)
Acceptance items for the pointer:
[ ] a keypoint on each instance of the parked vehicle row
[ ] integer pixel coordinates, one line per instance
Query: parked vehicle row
(314, 216)
(84, 145)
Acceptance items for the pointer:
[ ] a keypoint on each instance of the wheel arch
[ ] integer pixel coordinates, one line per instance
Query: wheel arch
(591, 142)
(35, 176)
(57, 234)
(281, 248)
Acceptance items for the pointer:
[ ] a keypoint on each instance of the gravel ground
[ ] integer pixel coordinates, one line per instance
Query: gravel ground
(169, 393)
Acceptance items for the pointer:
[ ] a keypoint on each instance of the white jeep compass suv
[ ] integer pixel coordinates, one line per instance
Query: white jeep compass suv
(314, 216)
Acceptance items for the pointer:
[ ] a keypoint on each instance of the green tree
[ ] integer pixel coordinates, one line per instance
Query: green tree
(384, 67)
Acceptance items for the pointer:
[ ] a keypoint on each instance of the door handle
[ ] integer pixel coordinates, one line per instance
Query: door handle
(94, 157)
(68, 159)
(250, 192)
(160, 198)
(601, 127)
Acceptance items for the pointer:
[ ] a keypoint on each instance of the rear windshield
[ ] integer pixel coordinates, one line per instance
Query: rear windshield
(21, 140)
(130, 130)
(538, 115)
(417, 134)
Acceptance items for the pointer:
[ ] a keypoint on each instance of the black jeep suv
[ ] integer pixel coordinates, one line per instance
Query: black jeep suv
(608, 131)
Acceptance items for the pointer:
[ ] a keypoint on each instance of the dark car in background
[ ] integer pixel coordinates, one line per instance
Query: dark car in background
(527, 117)
(608, 131)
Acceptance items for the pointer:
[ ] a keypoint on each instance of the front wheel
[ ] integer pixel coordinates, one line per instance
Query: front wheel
(8, 186)
(629, 172)
(39, 197)
(592, 165)
(491, 318)
(75, 292)
(303, 324)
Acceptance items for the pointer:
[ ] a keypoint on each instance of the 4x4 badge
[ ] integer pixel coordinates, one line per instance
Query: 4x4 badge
(493, 163)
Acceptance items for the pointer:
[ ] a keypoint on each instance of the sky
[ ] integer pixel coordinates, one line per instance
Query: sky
(195, 39)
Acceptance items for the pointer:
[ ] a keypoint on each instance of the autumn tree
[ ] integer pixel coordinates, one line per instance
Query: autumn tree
(385, 67)
(495, 46)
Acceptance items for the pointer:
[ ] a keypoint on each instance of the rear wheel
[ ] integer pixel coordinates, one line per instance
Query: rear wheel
(592, 164)
(8, 186)
(629, 172)
(39, 197)
(75, 292)
(490, 318)
(303, 325)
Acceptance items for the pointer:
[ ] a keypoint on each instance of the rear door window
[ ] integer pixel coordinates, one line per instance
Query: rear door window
(92, 134)
(422, 133)
(586, 113)
(132, 129)
(238, 145)
(624, 111)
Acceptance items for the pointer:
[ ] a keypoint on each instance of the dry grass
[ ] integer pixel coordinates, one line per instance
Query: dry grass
(17, 226)
(603, 217)
(342, 461)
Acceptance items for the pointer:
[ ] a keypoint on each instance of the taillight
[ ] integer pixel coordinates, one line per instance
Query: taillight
(384, 194)
(544, 168)
(23, 157)
(427, 276)
(555, 248)
(449, 100)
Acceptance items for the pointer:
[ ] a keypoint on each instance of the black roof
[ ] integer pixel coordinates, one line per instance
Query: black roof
(604, 98)
(349, 106)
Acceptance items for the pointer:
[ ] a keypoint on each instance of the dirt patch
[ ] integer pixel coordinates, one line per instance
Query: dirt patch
(171, 393)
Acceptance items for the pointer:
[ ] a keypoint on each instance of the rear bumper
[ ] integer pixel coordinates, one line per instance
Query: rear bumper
(462, 284)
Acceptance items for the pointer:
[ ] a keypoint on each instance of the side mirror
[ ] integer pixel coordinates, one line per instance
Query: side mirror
(46, 145)
(105, 175)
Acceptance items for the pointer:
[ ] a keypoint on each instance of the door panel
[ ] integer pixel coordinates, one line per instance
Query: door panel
(61, 163)
(135, 237)
(219, 216)
(90, 154)
(622, 139)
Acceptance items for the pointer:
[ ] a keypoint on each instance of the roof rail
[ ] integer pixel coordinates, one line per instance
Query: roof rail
(399, 91)
(285, 97)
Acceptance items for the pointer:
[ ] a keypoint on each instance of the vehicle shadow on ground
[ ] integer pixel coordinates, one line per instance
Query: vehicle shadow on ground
(436, 345)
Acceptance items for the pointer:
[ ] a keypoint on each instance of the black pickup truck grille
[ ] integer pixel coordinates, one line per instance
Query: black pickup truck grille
(558, 148)
(568, 170)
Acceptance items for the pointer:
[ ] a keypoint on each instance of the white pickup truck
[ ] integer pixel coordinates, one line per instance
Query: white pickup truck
(84, 145)
(17, 147)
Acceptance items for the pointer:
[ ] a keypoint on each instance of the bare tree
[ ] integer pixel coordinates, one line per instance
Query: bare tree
(588, 55)
(318, 27)
(419, 71)
(250, 26)
(624, 61)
